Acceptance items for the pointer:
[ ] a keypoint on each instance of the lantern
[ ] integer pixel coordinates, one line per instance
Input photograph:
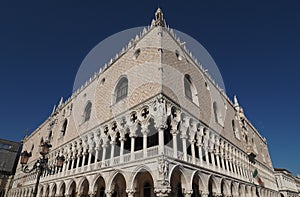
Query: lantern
(45, 147)
(24, 157)
(60, 161)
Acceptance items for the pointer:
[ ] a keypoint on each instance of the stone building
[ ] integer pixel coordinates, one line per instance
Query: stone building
(150, 123)
(9, 156)
(287, 183)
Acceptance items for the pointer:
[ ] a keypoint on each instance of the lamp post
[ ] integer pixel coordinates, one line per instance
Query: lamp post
(41, 164)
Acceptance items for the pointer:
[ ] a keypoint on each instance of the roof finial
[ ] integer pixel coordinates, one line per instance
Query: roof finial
(235, 101)
(159, 18)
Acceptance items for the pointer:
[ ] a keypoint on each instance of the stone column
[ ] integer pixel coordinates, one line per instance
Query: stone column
(83, 157)
(97, 149)
(112, 145)
(91, 148)
(104, 145)
(132, 148)
(161, 142)
(145, 132)
(65, 164)
(231, 159)
(72, 161)
(192, 141)
(212, 151)
(133, 129)
(217, 151)
(206, 148)
(122, 139)
(226, 156)
(234, 162)
(200, 153)
(222, 155)
(184, 148)
(200, 145)
(175, 149)
(90, 156)
(240, 163)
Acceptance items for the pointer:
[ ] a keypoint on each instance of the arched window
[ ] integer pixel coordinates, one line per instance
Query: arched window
(87, 111)
(190, 90)
(64, 127)
(233, 126)
(216, 112)
(32, 147)
(50, 135)
(121, 89)
(188, 87)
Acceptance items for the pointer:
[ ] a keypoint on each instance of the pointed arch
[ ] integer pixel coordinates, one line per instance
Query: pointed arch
(213, 186)
(41, 191)
(64, 127)
(178, 181)
(190, 90)
(137, 170)
(61, 188)
(142, 182)
(113, 176)
(71, 188)
(83, 186)
(117, 184)
(198, 184)
(121, 89)
(225, 187)
(234, 188)
(98, 185)
(53, 189)
(87, 111)
(47, 190)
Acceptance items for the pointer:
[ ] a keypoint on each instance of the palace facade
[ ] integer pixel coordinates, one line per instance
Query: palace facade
(150, 123)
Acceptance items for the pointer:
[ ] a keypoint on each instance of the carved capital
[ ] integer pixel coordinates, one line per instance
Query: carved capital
(130, 192)
(108, 193)
(188, 193)
(174, 132)
(162, 191)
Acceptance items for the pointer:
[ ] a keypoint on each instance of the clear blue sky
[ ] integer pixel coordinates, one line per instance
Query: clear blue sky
(256, 45)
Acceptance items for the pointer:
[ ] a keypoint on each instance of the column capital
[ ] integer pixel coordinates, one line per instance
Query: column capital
(108, 193)
(130, 192)
(204, 194)
(217, 195)
(188, 193)
(183, 136)
(192, 141)
(161, 192)
(174, 131)
(162, 126)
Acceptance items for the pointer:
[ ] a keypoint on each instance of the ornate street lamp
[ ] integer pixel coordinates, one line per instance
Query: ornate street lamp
(41, 164)
(24, 157)
(60, 161)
